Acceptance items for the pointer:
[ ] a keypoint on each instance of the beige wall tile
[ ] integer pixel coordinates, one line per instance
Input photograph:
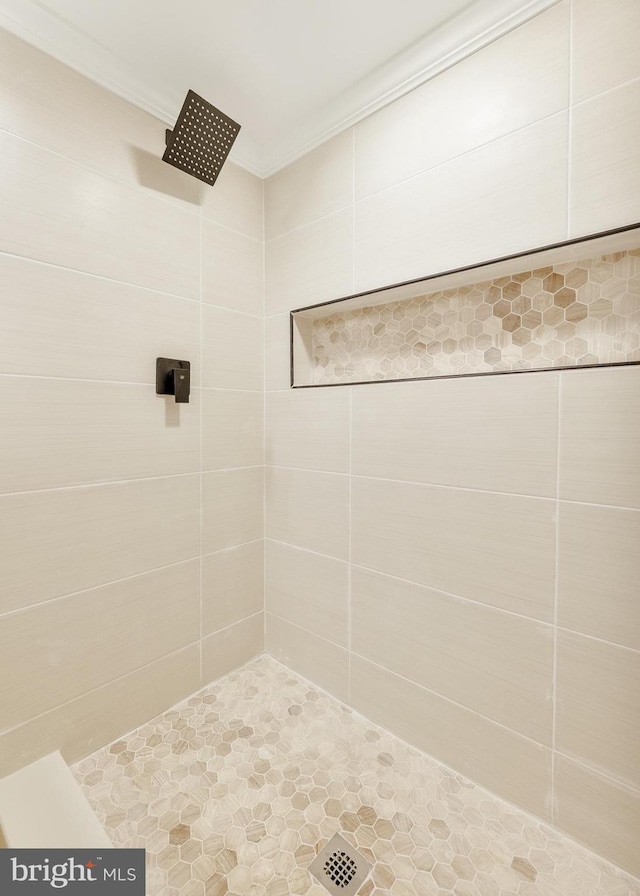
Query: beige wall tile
(72, 432)
(598, 712)
(604, 47)
(232, 647)
(236, 201)
(232, 350)
(502, 436)
(278, 352)
(307, 589)
(232, 585)
(232, 429)
(325, 664)
(233, 508)
(62, 649)
(600, 436)
(496, 549)
(516, 186)
(101, 716)
(598, 812)
(494, 663)
(57, 542)
(308, 429)
(506, 763)
(311, 264)
(599, 571)
(231, 269)
(50, 104)
(511, 83)
(319, 183)
(308, 510)
(58, 211)
(605, 176)
(67, 324)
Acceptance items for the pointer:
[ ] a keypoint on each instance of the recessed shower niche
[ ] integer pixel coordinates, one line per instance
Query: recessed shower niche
(572, 304)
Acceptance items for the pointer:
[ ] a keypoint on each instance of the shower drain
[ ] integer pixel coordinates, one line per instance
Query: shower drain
(339, 867)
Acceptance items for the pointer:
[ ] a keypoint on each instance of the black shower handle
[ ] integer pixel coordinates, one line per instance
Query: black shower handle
(181, 384)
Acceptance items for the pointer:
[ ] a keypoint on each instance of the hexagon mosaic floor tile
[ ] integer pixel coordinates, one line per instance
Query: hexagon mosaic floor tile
(571, 315)
(235, 791)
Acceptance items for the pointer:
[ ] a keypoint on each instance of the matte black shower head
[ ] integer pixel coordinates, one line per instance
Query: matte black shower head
(200, 142)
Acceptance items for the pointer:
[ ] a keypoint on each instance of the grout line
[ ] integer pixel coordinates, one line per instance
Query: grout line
(554, 667)
(94, 381)
(104, 483)
(459, 488)
(107, 584)
(570, 119)
(201, 446)
(349, 562)
(183, 205)
(416, 684)
(128, 283)
(264, 418)
(100, 687)
(546, 624)
(598, 96)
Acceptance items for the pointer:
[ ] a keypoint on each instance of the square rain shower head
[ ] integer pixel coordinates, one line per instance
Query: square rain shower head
(201, 139)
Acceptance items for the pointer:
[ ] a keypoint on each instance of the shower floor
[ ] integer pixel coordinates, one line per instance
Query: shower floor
(236, 789)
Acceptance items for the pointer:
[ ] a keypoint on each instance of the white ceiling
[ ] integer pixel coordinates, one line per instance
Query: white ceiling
(291, 72)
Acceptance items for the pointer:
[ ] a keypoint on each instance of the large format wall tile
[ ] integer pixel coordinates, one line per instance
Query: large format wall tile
(232, 585)
(492, 548)
(79, 432)
(605, 175)
(516, 187)
(72, 645)
(308, 589)
(101, 716)
(58, 211)
(600, 437)
(232, 647)
(507, 85)
(232, 429)
(51, 105)
(233, 508)
(604, 47)
(308, 510)
(322, 662)
(501, 760)
(308, 429)
(599, 571)
(501, 437)
(496, 664)
(236, 201)
(61, 541)
(63, 323)
(231, 269)
(277, 365)
(602, 814)
(598, 712)
(319, 183)
(311, 264)
(232, 350)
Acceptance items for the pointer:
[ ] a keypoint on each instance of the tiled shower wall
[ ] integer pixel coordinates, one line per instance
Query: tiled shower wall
(131, 528)
(459, 559)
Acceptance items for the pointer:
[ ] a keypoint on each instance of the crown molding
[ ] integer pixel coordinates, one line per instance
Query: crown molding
(456, 39)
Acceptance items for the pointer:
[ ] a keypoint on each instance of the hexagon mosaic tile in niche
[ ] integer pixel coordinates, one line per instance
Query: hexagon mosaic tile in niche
(235, 791)
(571, 315)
